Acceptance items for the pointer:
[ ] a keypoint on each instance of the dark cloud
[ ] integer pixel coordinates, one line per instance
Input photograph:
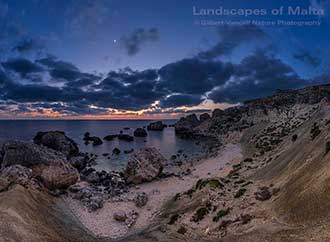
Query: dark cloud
(231, 36)
(133, 42)
(22, 66)
(308, 58)
(194, 76)
(178, 100)
(66, 71)
(176, 111)
(256, 76)
(128, 76)
(60, 69)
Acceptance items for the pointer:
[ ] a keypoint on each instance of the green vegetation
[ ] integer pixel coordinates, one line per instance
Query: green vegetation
(177, 196)
(213, 183)
(327, 147)
(182, 230)
(315, 131)
(221, 214)
(173, 219)
(294, 137)
(200, 214)
(240, 193)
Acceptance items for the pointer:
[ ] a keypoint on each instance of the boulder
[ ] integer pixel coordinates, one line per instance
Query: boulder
(50, 166)
(141, 199)
(29, 154)
(57, 176)
(94, 139)
(263, 194)
(93, 178)
(140, 132)
(156, 126)
(57, 140)
(79, 162)
(125, 137)
(110, 137)
(186, 125)
(203, 117)
(116, 151)
(144, 165)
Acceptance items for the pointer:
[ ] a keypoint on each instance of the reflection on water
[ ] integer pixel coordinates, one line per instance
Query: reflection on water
(165, 141)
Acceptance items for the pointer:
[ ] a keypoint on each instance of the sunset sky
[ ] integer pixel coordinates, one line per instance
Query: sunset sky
(119, 59)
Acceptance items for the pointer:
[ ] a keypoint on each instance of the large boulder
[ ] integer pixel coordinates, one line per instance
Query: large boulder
(94, 139)
(144, 165)
(125, 137)
(140, 132)
(156, 126)
(57, 140)
(186, 125)
(50, 166)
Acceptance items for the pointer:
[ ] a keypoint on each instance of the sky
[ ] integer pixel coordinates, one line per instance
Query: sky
(125, 59)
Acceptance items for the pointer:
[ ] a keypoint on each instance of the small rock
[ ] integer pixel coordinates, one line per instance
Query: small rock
(128, 151)
(116, 151)
(263, 194)
(120, 216)
(141, 199)
(131, 218)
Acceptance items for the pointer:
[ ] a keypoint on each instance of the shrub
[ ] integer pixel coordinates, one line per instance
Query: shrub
(294, 137)
(200, 214)
(327, 147)
(182, 230)
(173, 219)
(315, 131)
(221, 214)
(213, 183)
(240, 193)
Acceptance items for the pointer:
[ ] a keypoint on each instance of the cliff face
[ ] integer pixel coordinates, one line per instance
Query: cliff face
(283, 106)
(283, 182)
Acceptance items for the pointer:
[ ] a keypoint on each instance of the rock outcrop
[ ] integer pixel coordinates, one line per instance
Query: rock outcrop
(57, 140)
(156, 126)
(185, 126)
(144, 165)
(50, 166)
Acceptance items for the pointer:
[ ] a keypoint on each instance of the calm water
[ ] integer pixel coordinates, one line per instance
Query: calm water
(165, 141)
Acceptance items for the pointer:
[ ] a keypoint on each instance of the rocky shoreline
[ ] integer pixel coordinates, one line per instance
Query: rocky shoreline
(264, 176)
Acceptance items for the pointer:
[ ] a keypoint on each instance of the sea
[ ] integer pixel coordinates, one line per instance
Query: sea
(165, 141)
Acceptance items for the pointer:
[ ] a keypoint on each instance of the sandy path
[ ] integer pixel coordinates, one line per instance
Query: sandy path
(101, 222)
